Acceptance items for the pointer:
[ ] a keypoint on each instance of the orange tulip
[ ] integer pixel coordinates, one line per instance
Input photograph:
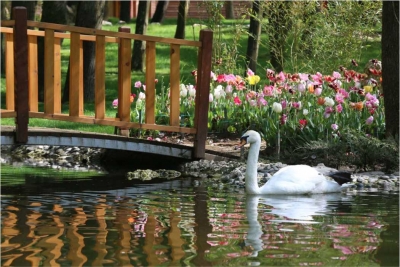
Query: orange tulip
(357, 106)
(321, 101)
(311, 88)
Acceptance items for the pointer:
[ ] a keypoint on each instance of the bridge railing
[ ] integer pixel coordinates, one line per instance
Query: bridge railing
(21, 59)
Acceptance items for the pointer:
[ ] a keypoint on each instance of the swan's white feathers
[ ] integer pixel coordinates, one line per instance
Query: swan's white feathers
(294, 179)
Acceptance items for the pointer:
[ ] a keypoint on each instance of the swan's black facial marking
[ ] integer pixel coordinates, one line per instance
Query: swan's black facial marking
(244, 138)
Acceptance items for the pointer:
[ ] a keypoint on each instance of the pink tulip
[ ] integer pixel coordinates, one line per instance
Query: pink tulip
(370, 120)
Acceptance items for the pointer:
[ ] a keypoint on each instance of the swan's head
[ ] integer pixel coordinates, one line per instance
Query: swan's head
(249, 137)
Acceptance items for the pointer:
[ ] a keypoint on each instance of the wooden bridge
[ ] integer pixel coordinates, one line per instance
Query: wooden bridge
(22, 83)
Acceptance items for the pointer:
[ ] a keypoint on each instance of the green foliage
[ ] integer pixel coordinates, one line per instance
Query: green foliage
(356, 148)
(309, 36)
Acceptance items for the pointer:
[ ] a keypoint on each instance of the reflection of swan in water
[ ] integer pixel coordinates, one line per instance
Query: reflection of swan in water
(296, 208)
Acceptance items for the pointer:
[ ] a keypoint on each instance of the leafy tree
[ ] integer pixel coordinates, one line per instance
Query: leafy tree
(181, 22)
(89, 15)
(139, 46)
(390, 66)
(159, 13)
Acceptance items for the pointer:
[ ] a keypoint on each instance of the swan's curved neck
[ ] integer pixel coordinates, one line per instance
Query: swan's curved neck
(251, 169)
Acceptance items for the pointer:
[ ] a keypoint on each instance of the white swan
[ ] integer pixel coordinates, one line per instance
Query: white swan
(295, 179)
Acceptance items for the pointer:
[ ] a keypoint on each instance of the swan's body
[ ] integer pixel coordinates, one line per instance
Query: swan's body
(295, 179)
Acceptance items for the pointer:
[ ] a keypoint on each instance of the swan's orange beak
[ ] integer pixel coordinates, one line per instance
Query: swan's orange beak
(242, 143)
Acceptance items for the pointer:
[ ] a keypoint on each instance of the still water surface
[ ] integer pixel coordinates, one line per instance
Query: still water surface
(110, 221)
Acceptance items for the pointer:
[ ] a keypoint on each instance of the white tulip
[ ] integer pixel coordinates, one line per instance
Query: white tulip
(192, 90)
(329, 102)
(305, 112)
(142, 96)
(277, 107)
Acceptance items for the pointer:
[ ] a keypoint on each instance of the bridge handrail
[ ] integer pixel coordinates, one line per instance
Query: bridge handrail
(22, 77)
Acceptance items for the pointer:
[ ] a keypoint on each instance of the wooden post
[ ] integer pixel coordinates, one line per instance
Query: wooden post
(202, 93)
(175, 60)
(124, 79)
(99, 83)
(76, 76)
(21, 74)
(150, 82)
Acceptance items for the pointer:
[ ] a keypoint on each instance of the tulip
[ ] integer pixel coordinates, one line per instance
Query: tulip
(115, 103)
(334, 126)
(183, 92)
(320, 101)
(237, 101)
(367, 88)
(142, 96)
(192, 91)
(339, 108)
(277, 107)
(305, 112)
(210, 98)
(138, 84)
(301, 87)
(369, 120)
(318, 91)
(228, 89)
(329, 102)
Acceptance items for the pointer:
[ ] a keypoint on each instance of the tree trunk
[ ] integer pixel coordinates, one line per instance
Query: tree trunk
(229, 10)
(158, 15)
(390, 66)
(139, 47)
(30, 8)
(253, 41)
(125, 11)
(89, 15)
(181, 22)
(52, 12)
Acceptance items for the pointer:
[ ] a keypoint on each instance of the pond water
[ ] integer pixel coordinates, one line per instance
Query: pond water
(92, 220)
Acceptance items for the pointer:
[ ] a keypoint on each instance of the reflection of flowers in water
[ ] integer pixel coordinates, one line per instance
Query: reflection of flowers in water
(350, 239)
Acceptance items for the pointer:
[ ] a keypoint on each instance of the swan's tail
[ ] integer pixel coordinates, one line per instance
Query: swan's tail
(341, 177)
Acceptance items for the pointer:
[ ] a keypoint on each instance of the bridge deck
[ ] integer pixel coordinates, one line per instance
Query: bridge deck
(64, 137)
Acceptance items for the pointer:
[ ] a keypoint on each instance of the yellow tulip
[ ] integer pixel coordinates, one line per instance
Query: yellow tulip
(368, 88)
(253, 79)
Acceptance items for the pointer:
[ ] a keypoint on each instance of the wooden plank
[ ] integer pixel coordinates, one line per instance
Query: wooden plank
(7, 23)
(6, 30)
(112, 122)
(7, 114)
(21, 74)
(202, 93)
(49, 72)
(124, 77)
(9, 64)
(76, 77)
(81, 30)
(33, 73)
(174, 85)
(57, 75)
(100, 70)
(150, 82)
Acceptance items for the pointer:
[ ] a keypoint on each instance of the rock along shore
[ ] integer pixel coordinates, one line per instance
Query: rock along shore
(218, 173)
